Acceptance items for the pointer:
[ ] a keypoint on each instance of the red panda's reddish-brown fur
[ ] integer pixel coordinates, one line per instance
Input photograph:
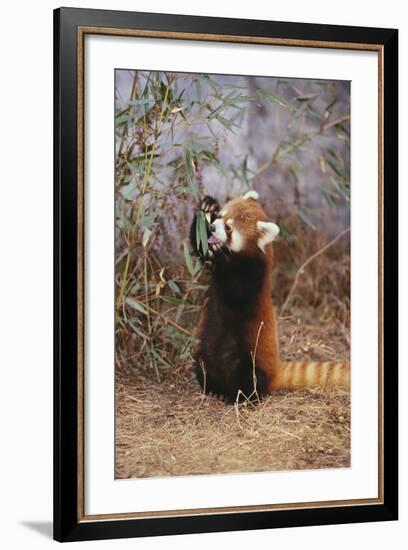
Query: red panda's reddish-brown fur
(259, 327)
(262, 337)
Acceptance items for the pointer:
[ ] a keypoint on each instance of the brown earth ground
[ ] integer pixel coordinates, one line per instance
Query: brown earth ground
(170, 429)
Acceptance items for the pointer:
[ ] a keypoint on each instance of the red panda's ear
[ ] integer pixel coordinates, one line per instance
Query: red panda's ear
(269, 233)
(251, 195)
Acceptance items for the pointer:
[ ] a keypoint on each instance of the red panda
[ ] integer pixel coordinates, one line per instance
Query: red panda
(238, 351)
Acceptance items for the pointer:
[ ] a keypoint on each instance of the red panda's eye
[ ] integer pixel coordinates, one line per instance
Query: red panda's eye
(228, 228)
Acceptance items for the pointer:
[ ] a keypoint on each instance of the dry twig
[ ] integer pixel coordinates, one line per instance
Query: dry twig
(301, 269)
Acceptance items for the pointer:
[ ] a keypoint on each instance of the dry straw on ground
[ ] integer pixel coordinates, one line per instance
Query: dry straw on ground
(170, 429)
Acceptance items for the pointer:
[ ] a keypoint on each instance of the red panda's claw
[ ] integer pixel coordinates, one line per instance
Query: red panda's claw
(216, 247)
(209, 205)
(215, 250)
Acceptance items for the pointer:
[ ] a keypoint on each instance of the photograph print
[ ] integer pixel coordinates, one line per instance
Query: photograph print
(232, 274)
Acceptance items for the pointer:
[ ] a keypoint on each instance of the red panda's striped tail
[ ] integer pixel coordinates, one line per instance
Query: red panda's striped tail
(302, 374)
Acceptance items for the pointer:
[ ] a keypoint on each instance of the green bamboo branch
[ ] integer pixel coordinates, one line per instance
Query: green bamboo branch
(144, 188)
(297, 143)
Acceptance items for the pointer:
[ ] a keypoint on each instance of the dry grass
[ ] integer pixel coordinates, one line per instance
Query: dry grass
(170, 429)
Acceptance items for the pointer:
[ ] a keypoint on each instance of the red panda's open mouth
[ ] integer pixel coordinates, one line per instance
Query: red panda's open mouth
(212, 239)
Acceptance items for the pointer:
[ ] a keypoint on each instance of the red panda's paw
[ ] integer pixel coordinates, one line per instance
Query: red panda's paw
(215, 250)
(209, 205)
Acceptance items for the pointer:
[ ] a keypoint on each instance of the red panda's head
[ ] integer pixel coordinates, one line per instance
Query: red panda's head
(242, 225)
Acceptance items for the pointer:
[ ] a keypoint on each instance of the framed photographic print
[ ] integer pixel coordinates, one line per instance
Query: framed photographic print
(225, 274)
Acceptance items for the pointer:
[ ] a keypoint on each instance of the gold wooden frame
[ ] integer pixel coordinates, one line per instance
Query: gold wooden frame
(82, 31)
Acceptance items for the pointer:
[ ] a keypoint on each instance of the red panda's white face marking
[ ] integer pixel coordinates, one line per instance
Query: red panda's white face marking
(237, 240)
(242, 225)
(226, 232)
(219, 233)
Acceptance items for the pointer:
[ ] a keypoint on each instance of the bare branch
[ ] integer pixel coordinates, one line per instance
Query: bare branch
(301, 269)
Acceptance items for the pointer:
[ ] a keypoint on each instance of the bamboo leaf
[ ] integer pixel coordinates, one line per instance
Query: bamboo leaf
(330, 197)
(173, 300)
(187, 258)
(305, 219)
(342, 188)
(211, 82)
(197, 230)
(136, 329)
(306, 97)
(197, 267)
(277, 99)
(160, 358)
(203, 232)
(174, 287)
(122, 119)
(336, 169)
(189, 165)
(198, 89)
(146, 237)
(225, 122)
(135, 305)
(311, 113)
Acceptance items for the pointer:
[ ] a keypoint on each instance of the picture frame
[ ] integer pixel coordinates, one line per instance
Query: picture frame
(71, 27)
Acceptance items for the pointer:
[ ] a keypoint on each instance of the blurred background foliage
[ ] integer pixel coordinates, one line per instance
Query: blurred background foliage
(180, 136)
